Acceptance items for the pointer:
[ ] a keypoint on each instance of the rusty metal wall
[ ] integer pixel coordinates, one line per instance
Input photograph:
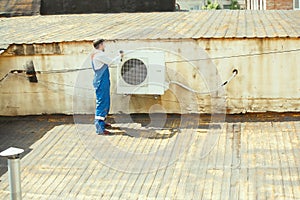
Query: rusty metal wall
(266, 81)
(9, 8)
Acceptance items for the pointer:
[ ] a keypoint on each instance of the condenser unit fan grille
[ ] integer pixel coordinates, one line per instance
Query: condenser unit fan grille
(134, 71)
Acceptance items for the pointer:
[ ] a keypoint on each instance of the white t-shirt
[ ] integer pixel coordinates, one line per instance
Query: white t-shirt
(99, 59)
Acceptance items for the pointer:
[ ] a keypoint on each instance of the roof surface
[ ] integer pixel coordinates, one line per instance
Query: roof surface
(233, 160)
(134, 26)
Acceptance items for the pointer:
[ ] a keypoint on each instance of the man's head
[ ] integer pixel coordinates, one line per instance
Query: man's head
(99, 44)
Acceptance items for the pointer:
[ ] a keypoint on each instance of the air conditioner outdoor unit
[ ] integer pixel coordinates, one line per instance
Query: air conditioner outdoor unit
(142, 72)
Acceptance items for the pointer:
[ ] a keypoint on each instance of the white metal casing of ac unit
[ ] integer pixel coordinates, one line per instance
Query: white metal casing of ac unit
(142, 72)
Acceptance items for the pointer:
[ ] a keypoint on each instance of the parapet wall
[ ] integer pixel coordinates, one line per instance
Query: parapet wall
(265, 82)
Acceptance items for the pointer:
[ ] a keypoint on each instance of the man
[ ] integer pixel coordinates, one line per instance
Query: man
(100, 63)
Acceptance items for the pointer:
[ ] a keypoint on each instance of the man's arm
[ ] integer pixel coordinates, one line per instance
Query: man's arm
(102, 58)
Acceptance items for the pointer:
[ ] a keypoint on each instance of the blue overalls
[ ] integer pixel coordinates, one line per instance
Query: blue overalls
(102, 88)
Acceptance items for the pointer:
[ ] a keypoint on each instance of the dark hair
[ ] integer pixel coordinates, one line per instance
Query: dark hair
(97, 42)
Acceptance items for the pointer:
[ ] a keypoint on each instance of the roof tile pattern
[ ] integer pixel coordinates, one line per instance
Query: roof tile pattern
(135, 26)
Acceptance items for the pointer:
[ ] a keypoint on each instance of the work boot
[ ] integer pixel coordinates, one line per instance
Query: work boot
(106, 132)
(108, 125)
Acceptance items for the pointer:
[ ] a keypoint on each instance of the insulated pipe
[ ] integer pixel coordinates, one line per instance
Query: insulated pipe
(13, 156)
(234, 73)
(14, 178)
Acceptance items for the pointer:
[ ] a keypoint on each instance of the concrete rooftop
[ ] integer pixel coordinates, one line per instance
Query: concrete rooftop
(254, 156)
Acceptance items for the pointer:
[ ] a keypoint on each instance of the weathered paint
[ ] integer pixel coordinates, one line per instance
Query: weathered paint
(268, 82)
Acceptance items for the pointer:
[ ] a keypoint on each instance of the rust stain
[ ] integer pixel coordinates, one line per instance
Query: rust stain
(33, 49)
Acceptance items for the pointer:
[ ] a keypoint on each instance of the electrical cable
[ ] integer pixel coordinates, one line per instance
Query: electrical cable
(4, 77)
(177, 61)
(47, 83)
(62, 71)
(236, 56)
(69, 70)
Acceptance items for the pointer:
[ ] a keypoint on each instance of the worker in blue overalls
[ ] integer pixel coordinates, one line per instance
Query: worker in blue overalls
(100, 63)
